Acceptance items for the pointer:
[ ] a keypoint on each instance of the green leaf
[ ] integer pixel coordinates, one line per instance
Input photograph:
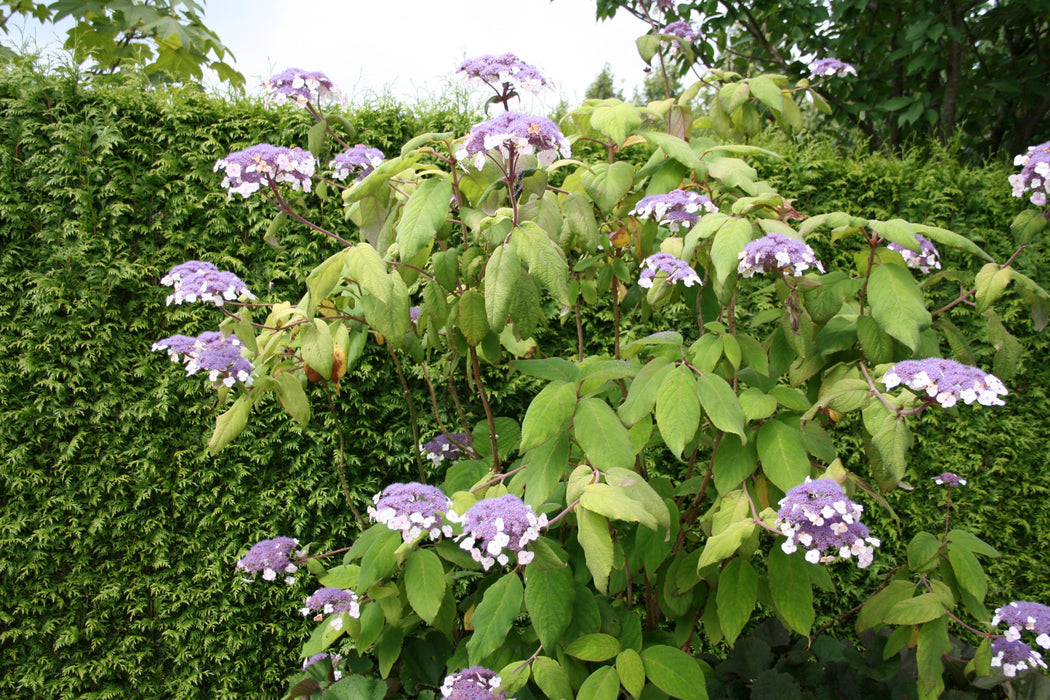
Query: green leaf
(545, 260)
(597, 546)
(991, 282)
(549, 596)
(1027, 225)
(792, 589)
(546, 465)
(678, 409)
(783, 455)
(593, 647)
(674, 672)
(922, 552)
(950, 239)
(614, 503)
(756, 404)
(896, 231)
(724, 544)
(733, 95)
(767, 92)
(471, 317)
(292, 397)
(915, 611)
(892, 443)
(721, 404)
(874, 610)
(933, 644)
(972, 542)
(736, 597)
(639, 489)
(494, 616)
(388, 649)
(603, 684)
(424, 213)
(323, 278)
(642, 394)
(548, 414)
(602, 436)
(876, 343)
(425, 583)
(631, 670)
(968, 570)
(674, 147)
(608, 183)
(734, 461)
(616, 120)
(315, 343)
(501, 278)
(897, 304)
(230, 424)
(729, 242)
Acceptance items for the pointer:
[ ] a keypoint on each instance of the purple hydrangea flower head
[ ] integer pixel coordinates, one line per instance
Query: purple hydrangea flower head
(506, 71)
(201, 281)
(300, 86)
(495, 526)
(444, 447)
(219, 357)
(684, 31)
(330, 600)
(928, 258)
(949, 479)
(818, 516)
(1013, 656)
(777, 252)
(947, 381)
(514, 133)
(413, 313)
(264, 165)
(674, 209)
(271, 557)
(335, 659)
(412, 509)
(1035, 174)
(1022, 616)
(360, 159)
(673, 269)
(827, 67)
(474, 683)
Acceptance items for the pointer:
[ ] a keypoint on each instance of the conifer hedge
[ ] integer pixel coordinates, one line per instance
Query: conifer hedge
(118, 534)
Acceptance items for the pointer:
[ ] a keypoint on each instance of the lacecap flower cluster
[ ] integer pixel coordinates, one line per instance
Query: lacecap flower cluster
(506, 70)
(827, 67)
(777, 252)
(194, 281)
(358, 159)
(474, 683)
(444, 446)
(928, 258)
(669, 268)
(264, 165)
(512, 133)
(683, 30)
(674, 209)
(271, 558)
(299, 86)
(818, 516)
(947, 381)
(412, 509)
(1034, 177)
(1009, 652)
(329, 600)
(494, 528)
(209, 352)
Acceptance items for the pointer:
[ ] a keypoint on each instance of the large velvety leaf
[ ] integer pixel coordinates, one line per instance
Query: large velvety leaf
(721, 404)
(728, 244)
(551, 678)
(423, 215)
(792, 589)
(501, 278)
(674, 672)
(548, 414)
(608, 183)
(544, 258)
(736, 597)
(678, 409)
(494, 616)
(549, 596)
(897, 304)
(614, 503)
(602, 436)
(593, 647)
(603, 684)
(425, 583)
(783, 455)
(597, 546)
(230, 424)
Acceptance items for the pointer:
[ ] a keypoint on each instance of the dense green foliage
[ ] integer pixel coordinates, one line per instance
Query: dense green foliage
(118, 534)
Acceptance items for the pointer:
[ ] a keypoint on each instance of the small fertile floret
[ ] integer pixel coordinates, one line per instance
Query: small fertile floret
(668, 268)
(329, 600)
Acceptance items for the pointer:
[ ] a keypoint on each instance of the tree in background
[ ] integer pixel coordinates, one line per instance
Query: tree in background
(166, 38)
(974, 69)
(604, 86)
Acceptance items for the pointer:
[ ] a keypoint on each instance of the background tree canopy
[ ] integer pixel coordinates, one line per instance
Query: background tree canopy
(972, 69)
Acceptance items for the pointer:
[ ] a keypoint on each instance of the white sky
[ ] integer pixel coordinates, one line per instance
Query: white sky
(411, 48)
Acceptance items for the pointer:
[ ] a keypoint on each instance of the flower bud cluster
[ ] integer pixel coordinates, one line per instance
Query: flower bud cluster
(947, 381)
(495, 527)
(444, 447)
(1035, 174)
(264, 165)
(517, 134)
(928, 258)
(329, 600)
(335, 659)
(360, 159)
(776, 252)
(300, 86)
(948, 479)
(271, 557)
(818, 516)
(673, 271)
(194, 281)
(827, 67)
(474, 683)
(412, 509)
(674, 209)
(506, 70)
(218, 356)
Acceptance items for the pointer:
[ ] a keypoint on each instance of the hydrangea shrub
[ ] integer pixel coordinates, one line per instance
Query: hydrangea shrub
(630, 517)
